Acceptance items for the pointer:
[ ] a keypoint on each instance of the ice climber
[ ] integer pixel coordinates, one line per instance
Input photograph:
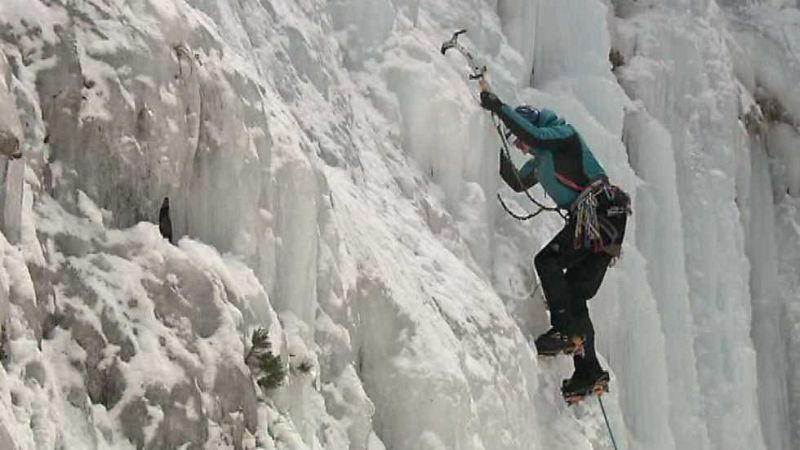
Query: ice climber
(572, 265)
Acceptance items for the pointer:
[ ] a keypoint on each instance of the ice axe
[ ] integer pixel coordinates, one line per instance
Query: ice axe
(478, 70)
(479, 73)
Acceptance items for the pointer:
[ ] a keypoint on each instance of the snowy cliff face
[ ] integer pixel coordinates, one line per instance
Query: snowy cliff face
(332, 180)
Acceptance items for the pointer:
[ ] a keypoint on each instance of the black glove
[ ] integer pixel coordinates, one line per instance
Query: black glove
(490, 101)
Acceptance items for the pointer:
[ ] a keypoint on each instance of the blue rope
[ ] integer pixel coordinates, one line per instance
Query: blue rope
(608, 425)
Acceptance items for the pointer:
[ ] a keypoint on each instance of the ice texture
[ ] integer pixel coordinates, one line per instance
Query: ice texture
(332, 180)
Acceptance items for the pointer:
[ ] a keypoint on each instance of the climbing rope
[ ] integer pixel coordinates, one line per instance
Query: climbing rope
(608, 425)
(515, 215)
(507, 154)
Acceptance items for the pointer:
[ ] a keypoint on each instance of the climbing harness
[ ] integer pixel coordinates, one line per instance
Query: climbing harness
(587, 228)
(596, 203)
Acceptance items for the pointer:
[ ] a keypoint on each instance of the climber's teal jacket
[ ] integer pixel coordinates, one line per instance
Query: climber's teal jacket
(562, 162)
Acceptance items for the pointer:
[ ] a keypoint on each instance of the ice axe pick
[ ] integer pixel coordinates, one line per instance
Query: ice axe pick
(478, 70)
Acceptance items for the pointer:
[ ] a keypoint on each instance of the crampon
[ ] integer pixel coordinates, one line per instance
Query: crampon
(573, 397)
(553, 344)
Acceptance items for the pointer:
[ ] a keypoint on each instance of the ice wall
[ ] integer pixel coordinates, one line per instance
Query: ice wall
(766, 32)
(679, 67)
(333, 179)
(313, 179)
(754, 45)
(659, 235)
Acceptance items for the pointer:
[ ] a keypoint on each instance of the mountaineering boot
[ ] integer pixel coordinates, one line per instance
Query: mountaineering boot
(581, 385)
(554, 342)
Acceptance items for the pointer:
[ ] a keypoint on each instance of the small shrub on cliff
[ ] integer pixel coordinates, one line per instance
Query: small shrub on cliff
(266, 367)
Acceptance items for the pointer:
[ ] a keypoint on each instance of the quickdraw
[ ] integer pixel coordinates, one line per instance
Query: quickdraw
(590, 227)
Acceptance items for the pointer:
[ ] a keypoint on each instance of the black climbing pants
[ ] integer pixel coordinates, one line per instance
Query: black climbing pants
(570, 277)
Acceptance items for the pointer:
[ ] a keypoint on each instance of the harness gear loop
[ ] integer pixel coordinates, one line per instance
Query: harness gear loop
(591, 227)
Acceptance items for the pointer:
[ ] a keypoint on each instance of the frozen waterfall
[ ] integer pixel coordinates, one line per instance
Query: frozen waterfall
(332, 180)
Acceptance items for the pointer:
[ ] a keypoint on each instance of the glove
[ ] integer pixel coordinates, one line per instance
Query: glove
(490, 102)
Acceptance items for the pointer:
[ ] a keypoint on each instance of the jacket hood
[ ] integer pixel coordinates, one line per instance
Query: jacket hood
(548, 118)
